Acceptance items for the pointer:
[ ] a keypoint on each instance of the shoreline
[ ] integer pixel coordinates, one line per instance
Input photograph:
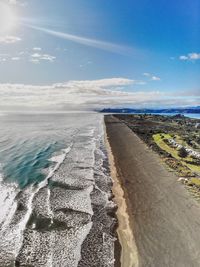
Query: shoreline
(128, 253)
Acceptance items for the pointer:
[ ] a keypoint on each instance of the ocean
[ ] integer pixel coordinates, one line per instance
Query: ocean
(56, 205)
(189, 115)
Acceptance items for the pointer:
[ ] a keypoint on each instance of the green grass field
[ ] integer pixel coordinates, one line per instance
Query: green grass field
(159, 140)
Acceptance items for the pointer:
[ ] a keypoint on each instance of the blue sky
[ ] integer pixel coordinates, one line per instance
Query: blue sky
(154, 44)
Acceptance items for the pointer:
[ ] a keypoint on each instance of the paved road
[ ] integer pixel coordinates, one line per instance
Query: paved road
(165, 219)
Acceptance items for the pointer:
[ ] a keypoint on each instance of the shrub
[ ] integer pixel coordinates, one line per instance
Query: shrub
(182, 152)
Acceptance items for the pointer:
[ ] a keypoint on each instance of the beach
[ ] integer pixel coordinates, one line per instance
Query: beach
(164, 218)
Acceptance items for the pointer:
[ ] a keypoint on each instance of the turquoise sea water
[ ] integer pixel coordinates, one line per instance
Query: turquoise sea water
(28, 141)
(189, 115)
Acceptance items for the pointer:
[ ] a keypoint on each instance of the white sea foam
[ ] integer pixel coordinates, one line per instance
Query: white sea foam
(77, 200)
(55, 248)
(11, 234)
(59, 160)
(7, 201)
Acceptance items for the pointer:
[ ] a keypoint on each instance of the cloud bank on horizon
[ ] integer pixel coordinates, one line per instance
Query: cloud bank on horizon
(86, 95)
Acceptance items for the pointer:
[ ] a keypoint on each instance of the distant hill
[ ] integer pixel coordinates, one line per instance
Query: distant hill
(189, 110)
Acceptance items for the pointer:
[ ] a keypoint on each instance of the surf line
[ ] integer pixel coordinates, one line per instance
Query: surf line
(35, 189)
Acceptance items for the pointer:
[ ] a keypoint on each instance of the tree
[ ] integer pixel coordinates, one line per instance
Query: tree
(182, 152)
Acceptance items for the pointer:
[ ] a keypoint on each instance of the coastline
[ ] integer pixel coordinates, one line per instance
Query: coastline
(128, 250)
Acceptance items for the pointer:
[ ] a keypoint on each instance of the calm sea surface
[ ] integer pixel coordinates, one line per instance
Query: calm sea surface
(189, 115)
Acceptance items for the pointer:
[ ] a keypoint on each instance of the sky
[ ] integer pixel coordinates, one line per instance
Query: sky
(79, 54)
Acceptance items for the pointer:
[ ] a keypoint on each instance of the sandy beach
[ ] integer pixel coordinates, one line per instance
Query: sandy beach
(163, 217)
(125, 255)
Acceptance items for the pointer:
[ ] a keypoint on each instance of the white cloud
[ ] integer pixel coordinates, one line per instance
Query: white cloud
(17, 2)
(9, 39)
(28, 56)
(194, 56)
(103, 83)
(83, 95)
(183, 58)
(151, 76)
(15, 58)
(77, 94)
(155, 78)
(83, 65)
(35, 61)
(190, 56)
(146, 74)
(189, 93)
(3, 59)
(12, 2)
(48, 57)
(37, 57)
(37, 49)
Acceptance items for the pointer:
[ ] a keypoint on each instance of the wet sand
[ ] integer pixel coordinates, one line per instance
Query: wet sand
(125, 255)
(164, 219)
